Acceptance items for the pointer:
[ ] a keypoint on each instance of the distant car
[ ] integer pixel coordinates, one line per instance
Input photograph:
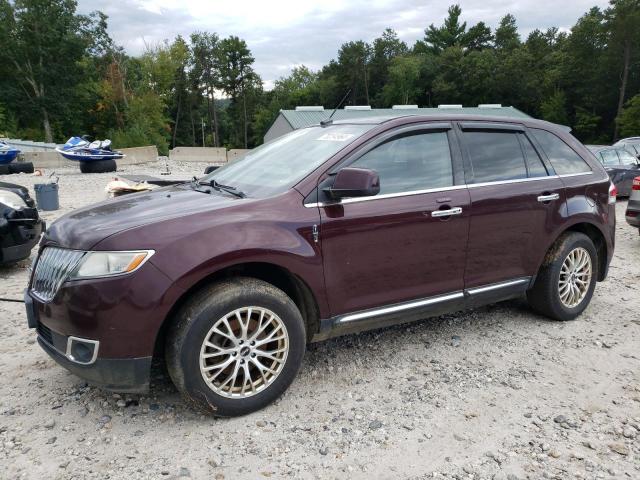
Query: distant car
(633, 207)
(20, 224)
(631, 145)
(621, 166)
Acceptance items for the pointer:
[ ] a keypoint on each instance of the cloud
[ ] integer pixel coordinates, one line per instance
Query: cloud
(284, 33)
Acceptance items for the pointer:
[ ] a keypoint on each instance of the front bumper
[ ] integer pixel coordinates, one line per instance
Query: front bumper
(122, 315)
(121, 375)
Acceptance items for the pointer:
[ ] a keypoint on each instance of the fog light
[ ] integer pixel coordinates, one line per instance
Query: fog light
(81, 350)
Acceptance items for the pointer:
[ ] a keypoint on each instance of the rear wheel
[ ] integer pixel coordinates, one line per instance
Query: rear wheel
(235, 346)
(98, 166)
(566, 280)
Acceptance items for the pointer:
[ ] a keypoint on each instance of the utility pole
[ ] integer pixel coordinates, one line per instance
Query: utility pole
(202, 119)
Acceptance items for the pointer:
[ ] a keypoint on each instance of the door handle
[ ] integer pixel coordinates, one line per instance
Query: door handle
(446, 213)
(548, 198)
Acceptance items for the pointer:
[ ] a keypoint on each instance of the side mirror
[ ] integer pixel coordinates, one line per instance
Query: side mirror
(354, 182)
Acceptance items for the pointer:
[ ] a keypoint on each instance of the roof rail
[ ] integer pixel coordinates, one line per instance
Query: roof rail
(310, 108)
(357, 107)
(450, 106)
(490, 105)
(404, 107)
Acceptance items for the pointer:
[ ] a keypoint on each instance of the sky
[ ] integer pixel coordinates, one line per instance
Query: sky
(283, 34)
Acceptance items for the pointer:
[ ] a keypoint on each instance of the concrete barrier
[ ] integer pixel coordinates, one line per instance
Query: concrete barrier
(208, 155)
(138, 155)
(236, 153)
(47, 160)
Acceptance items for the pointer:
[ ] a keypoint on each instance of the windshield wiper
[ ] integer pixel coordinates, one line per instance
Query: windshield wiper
(223, 188)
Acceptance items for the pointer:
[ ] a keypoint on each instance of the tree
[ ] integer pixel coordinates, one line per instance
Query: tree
(622, 20)
(384, 49)
(352, 70)
(628, 121)
(45, 41)
(238, 80)
(206, 59)
(506, 36)
(451, 33)
(403, 80)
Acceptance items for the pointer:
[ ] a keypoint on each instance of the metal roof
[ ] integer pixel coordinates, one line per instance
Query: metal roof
(304, 118)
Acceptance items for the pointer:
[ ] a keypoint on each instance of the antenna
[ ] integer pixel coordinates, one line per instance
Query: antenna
(328, 121)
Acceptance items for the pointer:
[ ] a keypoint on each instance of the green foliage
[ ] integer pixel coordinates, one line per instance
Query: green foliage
(402, 87)
(145, 123)
(629, 120)
(61, 75)
(554, 108)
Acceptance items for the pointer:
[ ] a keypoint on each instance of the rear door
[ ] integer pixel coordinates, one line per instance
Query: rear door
(401, 244)
(515, 204)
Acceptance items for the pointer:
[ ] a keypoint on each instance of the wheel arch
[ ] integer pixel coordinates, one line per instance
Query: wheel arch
(597, 237)
(291, 284)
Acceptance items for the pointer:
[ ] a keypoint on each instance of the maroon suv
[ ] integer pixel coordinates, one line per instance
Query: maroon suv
(328, 230)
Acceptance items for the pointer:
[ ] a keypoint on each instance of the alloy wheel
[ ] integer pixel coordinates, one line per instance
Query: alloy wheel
(575, 277)
(244, 352)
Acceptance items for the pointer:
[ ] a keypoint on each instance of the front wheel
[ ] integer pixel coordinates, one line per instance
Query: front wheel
(235, 346)
(566, 280)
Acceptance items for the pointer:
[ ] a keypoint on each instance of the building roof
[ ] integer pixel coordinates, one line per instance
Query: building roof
(301, 118)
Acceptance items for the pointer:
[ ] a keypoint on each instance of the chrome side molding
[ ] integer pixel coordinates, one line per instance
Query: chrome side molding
(376, 312)
(429, 301)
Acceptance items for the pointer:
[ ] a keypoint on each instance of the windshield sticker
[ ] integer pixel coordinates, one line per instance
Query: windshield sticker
(336, 137)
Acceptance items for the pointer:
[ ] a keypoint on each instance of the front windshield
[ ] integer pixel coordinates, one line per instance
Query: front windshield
(278, 165)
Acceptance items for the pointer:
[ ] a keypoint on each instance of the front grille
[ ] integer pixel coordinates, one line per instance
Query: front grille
(52, 268)
(45, 333)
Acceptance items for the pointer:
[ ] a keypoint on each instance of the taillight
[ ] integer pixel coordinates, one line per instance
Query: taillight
(613, 193)
(636, 184)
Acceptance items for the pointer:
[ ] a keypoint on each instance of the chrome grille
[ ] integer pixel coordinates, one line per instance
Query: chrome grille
(52, 268)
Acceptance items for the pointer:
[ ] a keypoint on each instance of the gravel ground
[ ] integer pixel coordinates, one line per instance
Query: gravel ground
(493, 393)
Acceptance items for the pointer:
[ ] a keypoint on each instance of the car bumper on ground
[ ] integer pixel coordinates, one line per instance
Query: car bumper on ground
(104, 330)
(21, 240)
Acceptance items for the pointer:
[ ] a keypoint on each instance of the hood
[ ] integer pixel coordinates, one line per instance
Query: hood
(82, 229)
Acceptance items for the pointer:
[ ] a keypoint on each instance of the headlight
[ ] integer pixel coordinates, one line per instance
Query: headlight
(12, 200)
(107, 264)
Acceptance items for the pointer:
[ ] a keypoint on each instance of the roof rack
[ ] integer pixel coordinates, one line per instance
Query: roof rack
(357, 107)
(490, 105)
(449, 106)
(404, 107)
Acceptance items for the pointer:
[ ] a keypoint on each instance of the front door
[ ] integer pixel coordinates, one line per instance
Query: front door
(392, 247)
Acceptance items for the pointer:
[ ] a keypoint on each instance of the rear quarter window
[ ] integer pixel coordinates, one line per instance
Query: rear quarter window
(564, 159)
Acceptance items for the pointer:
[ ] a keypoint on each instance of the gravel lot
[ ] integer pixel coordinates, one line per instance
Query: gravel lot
(493, 393)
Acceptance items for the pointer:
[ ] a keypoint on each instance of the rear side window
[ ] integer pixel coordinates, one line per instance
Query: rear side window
(415, 162)
(495, 156)
(609, 157)
(534, 164)
(564, 160)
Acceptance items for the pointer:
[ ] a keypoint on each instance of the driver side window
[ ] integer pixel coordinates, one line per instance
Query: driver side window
(418, 161)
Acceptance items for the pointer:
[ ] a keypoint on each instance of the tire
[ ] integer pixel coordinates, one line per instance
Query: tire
(4, 170)
(21, 167)
(207, 309)
(545, 296)
(210, 168)
(98, 166)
